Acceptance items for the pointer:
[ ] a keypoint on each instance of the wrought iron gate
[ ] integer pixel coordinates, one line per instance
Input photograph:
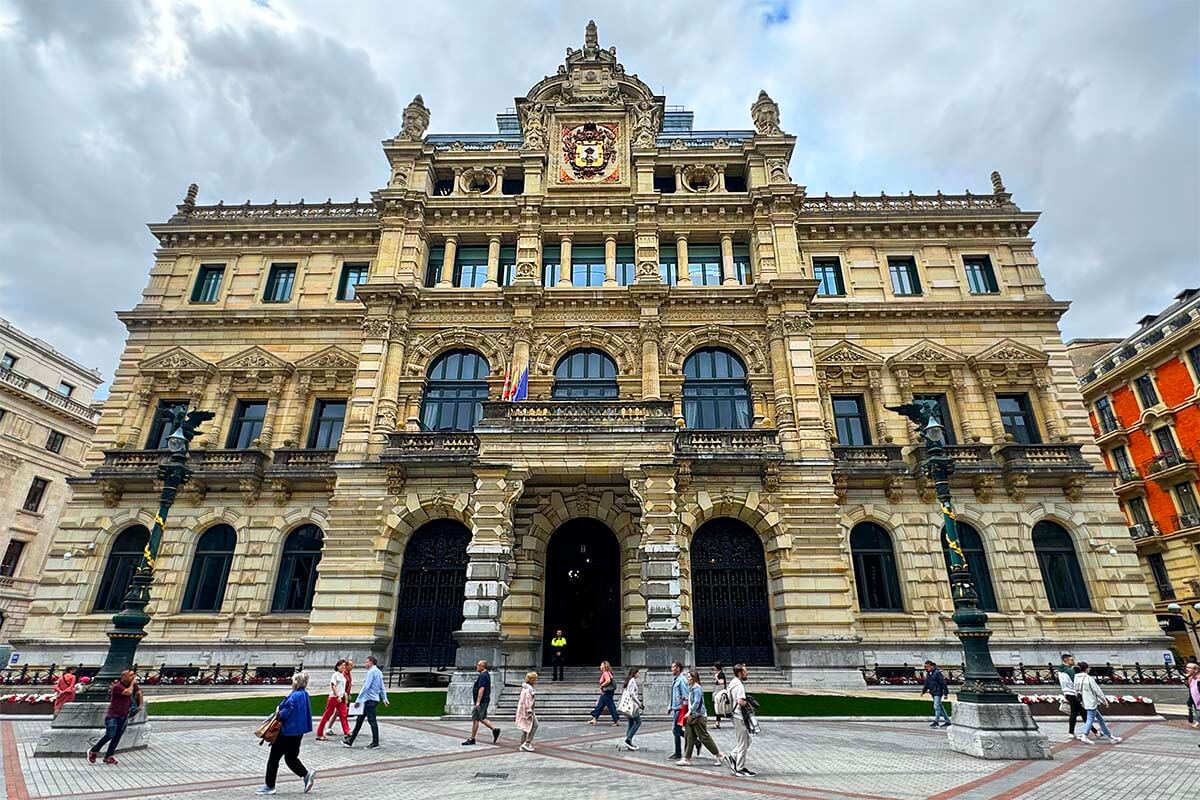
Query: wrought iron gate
(433, 577)
(730, 612)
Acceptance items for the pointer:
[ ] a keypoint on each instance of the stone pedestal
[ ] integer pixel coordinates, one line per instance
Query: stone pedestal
(821, 663)
(472, 648)
(997, 731)
(80, 725)
(662, 648)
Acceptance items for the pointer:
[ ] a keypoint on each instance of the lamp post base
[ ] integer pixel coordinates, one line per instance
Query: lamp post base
(997, 731)
(80, 725)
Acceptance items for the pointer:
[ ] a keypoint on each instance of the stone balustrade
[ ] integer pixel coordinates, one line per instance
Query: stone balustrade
(724, 444)
(578, 414)
(48, 395)
(431, 446)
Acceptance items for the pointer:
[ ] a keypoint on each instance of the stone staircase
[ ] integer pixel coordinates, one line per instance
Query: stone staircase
(574, 697)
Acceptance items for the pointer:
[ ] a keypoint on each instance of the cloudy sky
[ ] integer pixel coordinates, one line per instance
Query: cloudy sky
(1091, 110)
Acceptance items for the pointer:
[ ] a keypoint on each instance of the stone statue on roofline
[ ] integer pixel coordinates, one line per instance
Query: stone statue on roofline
(645, 123)
(533, 126)
(415, 121)
(765, 113)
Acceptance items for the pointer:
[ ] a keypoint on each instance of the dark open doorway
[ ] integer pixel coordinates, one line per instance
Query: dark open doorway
(583, 593)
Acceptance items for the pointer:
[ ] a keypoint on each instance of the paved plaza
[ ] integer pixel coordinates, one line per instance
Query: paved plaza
(422, 758)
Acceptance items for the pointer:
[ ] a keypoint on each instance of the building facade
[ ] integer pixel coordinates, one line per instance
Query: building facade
(46, 427)
(703, 468)
(1143, 395)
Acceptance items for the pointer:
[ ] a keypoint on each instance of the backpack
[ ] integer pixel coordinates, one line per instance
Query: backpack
(722, 703)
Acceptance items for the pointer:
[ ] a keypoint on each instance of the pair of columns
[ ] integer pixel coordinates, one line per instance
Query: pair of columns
(446, 277)
(684, 278)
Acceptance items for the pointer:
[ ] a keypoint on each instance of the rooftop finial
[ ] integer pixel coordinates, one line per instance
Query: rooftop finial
(189, 200)
(415, 121)
(765, 113)
(591, 39)
(997, 184)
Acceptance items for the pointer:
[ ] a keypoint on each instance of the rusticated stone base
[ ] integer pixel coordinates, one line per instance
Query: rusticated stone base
(997, 731)
(80, 725)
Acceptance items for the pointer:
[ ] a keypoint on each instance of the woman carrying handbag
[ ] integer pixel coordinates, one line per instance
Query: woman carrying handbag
(293, 719)
(608, 688)
(631, 707)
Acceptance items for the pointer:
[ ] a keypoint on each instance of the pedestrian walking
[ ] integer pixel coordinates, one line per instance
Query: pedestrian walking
(608, 689)
(678, 708)
(719, 682)
(64, 689)
(935, 684)
(120, 700)
(337, 702)
(1191, 673)
(743, 722)
(482, 692)
(370, 695)
(697, 724)
(631, 706)
(1093, 699)
(526, 715)
(1066, 682)
(295, 718)
(558, 654)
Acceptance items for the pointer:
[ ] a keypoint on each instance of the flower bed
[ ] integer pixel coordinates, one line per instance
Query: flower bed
(1125, 705)
(27, 704)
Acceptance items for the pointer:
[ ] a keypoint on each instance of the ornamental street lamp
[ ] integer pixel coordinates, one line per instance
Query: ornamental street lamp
(988, 720)
(129, 624)
(1189, 622)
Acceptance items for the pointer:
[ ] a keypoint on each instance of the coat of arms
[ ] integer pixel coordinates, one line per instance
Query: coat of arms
(589, 152)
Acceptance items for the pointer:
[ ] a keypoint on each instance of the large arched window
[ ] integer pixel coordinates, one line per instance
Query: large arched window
(456, 387)
(875, 574)
(1060, 568)
(298, 569)
(972, 546)
(585, 374)
(715, 391)
(123, 560)
(210, 569)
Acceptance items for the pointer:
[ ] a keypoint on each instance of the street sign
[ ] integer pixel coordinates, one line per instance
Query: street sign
(1168, 659)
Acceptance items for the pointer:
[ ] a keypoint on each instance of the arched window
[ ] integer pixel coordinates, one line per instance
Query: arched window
(715, 391)
(585, 374)
(875, 568)
(456, 386)
(210, 569)
(1060, 568)
(123, 559)
(972, 547)
(298, 569)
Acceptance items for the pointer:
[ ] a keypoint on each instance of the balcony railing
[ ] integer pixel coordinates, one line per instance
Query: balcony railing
(1167, 460)
(869, 458)
(1127, 475)
(303, 460)
(48, 395)
(431, 446)
(1108, 423)
(145, 463)
(1044, 458)
(1188, 519)
(719, 444)
(227, 461)
(966, 458)
(1144, 530)
(575, 414)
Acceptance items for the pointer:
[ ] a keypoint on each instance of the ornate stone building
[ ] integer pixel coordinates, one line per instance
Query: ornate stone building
(1143, 392)
(46, 426)
(703, 468)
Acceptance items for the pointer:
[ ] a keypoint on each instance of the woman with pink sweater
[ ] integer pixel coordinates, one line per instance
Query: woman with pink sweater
(526, 718)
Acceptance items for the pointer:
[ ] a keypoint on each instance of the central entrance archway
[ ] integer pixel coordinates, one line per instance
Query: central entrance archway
(583, 593)
(730, 602)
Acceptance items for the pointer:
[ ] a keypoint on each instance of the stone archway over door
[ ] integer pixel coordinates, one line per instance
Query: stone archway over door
(429, 609)
(583, 592)
(731, 614)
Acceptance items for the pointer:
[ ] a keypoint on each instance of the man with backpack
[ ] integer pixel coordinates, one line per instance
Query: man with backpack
(744, 722)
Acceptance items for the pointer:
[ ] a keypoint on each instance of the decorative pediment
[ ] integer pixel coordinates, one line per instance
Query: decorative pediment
(331, 359)
(255, 362)
(927, 354)
(678, 348)
(845, 352)
(176, 361)
(1009, 352)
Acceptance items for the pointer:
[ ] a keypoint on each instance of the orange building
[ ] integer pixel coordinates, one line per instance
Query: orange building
(1143, 398)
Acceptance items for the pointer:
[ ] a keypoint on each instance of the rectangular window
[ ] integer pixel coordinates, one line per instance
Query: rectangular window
(326, 430)
(1194, 357)
(1187, 499)
(470, 267)
(1146, 391)
(279, 283)
(664, 184)
(1017, 417)
(668, 264)
(1162, 581)
(1137, 510)
(704, 264)
(551, 264)
(208, 283)
(1165, 441)
(1104, 415)
(12, 557)
(33, 498)
(55, 442)
(944, 417)
(508, 266)
(65, 389)
(352, 275)
(741, 264)
(905, 280)
(1120, 458)
(160, 426)
(850, 420)
(587, 266)
(626, 266)
(433, 265)
(8, 361)
(828, 272)
(981, 278)
(247, 424)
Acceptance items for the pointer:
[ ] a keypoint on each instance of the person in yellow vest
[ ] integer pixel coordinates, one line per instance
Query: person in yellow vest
(558, 647)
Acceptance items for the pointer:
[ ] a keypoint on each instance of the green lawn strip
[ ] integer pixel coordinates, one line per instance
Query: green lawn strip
(404, 704)
(816, 705)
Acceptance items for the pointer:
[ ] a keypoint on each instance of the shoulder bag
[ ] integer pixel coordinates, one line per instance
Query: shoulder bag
(268, 729)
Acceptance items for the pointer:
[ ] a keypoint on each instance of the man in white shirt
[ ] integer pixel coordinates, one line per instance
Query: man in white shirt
(736, 760)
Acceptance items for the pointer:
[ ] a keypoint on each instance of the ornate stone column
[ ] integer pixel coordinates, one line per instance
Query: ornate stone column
(610, 259)
(781, 378)
(564, 278)
(212, 438)
(729, 275)
(959, 385)
(682, 276)
(987, 385)
(875, 401)
(651, 333)
(493, 262)
(389, 412)
(141, 407)
(446, 280)
(299, 399)
(274, 399)
(1049, 405)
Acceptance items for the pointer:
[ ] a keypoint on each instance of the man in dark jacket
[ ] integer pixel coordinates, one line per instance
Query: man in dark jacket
(935, 684)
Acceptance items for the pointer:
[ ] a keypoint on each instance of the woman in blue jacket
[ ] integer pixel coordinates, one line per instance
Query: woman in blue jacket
(295, 715)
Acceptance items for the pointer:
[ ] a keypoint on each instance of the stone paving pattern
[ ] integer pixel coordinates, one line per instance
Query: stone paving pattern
(422, 758)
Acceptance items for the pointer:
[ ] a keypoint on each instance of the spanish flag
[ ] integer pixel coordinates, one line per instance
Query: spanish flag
(516, 380)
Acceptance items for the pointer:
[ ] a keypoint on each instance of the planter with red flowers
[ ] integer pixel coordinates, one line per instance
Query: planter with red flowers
(27, 703)
(1125, 705)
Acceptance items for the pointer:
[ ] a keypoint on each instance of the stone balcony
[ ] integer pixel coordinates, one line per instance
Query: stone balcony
(1043, 460)
(431, 446)
(1128, 482)
(550, 416)
(1171, 467)
(869, 460)
(44, 394)
(303, 463)
(743, 444)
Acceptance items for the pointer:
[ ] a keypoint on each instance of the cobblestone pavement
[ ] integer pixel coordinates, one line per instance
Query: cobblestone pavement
(802, 760)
